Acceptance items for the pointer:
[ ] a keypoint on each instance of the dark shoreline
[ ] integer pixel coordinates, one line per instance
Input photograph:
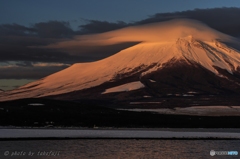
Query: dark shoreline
(228, 130)
(111, 138)
(55, 113)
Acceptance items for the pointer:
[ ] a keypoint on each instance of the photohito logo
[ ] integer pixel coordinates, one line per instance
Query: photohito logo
(213, 153)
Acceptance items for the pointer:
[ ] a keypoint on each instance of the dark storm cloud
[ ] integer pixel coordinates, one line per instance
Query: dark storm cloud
(50, 29)
(19, 43)
(15, 30)
(24, 53)
(53, 29)
(5, 86)
(96, 26)
(25, 64)
(37, 72)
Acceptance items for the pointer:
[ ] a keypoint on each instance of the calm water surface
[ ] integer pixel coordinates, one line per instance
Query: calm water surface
(116, 148)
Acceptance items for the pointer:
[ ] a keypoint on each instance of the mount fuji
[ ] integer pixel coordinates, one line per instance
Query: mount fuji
(175, 58)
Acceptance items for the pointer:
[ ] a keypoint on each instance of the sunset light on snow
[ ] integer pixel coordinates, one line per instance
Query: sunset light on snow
(181, 39)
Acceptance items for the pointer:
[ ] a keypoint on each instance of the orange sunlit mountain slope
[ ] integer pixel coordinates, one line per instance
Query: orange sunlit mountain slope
(182, 39)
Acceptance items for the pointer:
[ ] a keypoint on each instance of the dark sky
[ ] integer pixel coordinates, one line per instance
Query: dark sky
(27, 26)
(25, 12)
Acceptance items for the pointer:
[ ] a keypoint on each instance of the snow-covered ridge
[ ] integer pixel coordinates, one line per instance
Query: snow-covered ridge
(181, 39)
(207, 54)
(125, 87)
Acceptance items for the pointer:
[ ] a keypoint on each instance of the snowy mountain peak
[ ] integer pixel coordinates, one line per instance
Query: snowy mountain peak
(185, 41)
(189, 40)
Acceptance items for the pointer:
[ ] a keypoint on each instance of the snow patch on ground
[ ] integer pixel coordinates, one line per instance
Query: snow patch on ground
(147, 96)
(36, 104)
(151, 80)
(125, 87)
(195, 110)
(192, 92)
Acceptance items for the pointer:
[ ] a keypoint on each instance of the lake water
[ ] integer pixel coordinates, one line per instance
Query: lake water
(115, 148)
